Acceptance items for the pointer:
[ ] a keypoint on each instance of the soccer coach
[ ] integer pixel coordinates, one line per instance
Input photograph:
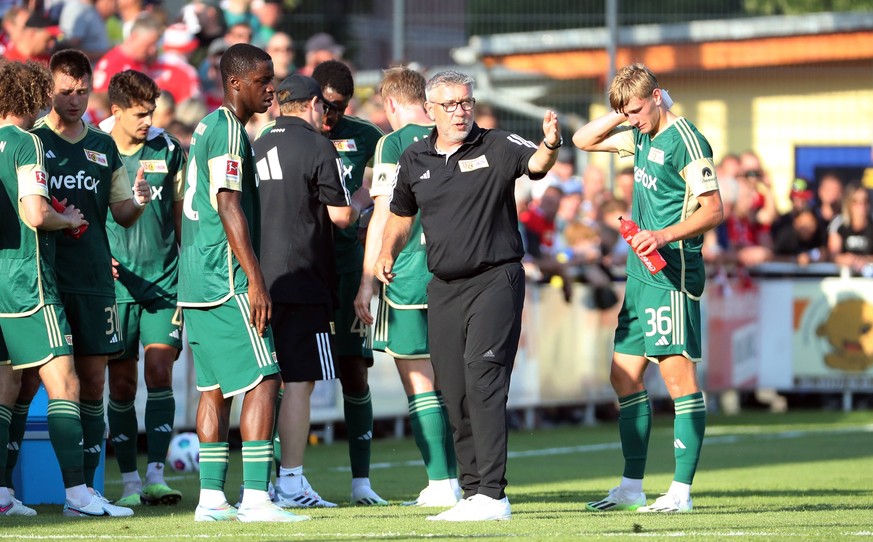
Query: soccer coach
(462, 178)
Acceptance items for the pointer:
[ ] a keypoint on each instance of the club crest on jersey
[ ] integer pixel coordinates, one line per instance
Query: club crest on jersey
(97, 157)
(345, 145)
(40, 178)
(232, 170)
(476, 163)
(154, 166)
(656, 156)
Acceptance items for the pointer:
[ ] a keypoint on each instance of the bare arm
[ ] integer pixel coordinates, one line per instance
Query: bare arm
(40, 214)
(709, 215)
(372, 248)
(238, 237)
(543, 160)
(597, 135)
(396, 235)
(344, 216)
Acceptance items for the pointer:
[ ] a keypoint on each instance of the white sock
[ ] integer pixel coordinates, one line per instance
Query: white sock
(5, 497)
(253, 497)
(445, 485)
(155, 474)
(211, 498)
(79, 495)
(360, 482)
(131, 478)
(631, 486)
(681, 490)
(290, 480)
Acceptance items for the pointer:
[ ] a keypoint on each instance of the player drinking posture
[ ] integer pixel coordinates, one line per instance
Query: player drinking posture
(675, 201)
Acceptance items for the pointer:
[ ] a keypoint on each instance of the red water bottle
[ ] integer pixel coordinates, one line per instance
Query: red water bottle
(654, 262)
(75, 233)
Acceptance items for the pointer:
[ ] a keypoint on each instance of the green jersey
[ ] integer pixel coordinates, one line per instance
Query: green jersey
(26, 254)
(221, 158)
(409, 289)
(146, 252)
(88, 173)
(355, 140)
(670, 171)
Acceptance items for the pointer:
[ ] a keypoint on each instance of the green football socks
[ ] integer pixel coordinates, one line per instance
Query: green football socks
(428, 418)
(358, 410)
(634, 427)
(688, 429)
(160, 415)
(123, 432)
(213, 465)
(65, 433)
(93, 430)
(257, 456)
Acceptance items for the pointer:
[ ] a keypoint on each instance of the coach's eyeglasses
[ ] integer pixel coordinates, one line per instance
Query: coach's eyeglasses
(451, 107)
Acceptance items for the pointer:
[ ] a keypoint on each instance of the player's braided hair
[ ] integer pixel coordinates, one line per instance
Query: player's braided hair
(336, 75)
(130, 88)
(27, 88)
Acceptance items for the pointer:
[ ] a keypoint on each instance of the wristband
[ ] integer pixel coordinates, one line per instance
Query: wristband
(556, 147)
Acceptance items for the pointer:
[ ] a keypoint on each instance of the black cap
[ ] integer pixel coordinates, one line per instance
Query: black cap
(298, 87)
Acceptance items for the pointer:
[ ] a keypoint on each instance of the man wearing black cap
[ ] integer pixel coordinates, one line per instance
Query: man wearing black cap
(302, 193)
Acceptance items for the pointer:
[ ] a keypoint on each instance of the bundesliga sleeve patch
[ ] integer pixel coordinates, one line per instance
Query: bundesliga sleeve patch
(232, 171)
(39, 177)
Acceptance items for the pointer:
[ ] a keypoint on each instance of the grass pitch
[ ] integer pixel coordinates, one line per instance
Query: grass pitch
(792, 476)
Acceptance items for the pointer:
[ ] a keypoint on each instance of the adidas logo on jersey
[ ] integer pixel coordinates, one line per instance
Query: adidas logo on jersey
(678, 444)
(488, 354)
(662, 341)
(174, 334)
(50, 154)
(114, 338)
(165, 428)
(425, 175)
(12, 447)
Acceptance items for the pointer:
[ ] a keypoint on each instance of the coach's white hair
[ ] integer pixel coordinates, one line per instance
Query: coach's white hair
(448, 77)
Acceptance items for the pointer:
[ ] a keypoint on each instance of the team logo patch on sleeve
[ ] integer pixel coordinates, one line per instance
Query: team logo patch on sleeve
(96, 157)
(232, 171)
(154, 166)
(475, 163)
(345, 145)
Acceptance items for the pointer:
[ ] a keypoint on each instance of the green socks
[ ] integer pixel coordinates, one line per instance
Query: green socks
(277, 445)
(17, 426)
(634, 427)
(65, 433)
(428, 418)
(5, 420)
(358, 410)
(213, 465)
(123, 431)
(160, 415)
(93, 429)
(688, 429)
(257, 456)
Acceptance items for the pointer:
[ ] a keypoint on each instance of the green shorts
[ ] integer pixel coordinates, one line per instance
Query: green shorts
(33, 340)
(228, 353)
(155, 321)
(351, 333)
(94, 322)
(401, 333)
(654, 322)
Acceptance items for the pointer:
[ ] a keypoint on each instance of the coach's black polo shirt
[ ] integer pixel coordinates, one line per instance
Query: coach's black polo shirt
(299, 172)
(467, 201)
